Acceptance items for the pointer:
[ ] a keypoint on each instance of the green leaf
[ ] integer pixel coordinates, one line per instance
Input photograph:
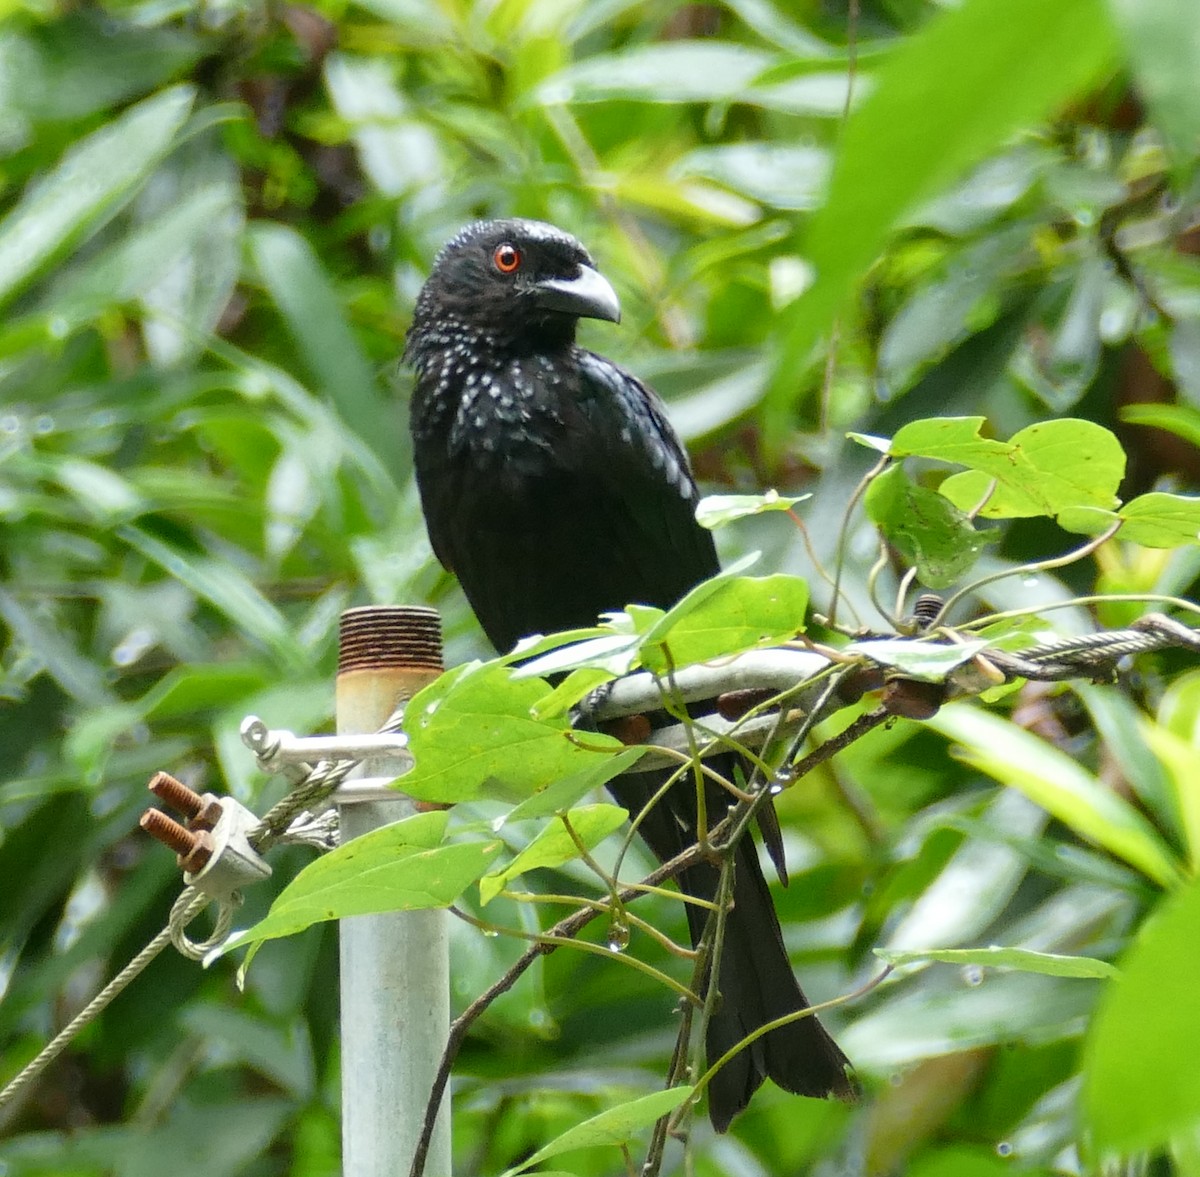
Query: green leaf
(1181, 420)
(1176, 758)
(882, 445)
(1162, 41)
(1141, 1085)
(554, 845)
(957, 90)
(610, 653)
(1086, 520)
(1021, 960)
(577, 685)
(400, 867)
(132, 266)
(946, 308)
(950, 439)
(624, 646)
(716, 511)
(316, 320)
(91, 181)
(1044, 469)
(563, 794)
(744, 613)
(675, 71)
(200, 687)
(926, 528)
(43, 640)
(783, 176)
(472, 735)
(966, 1160)
(1060, 785)
(102, 492)
(1160, 520)
(614, 1126)
(281, 1053)
(76, 64)
(226, 589)
(925, 661)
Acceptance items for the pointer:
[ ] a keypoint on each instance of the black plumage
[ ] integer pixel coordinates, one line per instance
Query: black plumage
(554, 487)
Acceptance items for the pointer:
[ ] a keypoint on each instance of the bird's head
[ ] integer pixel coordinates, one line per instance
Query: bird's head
(524, 284)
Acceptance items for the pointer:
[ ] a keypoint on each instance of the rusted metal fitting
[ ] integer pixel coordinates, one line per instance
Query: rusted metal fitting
(735, 704)
(384, 637)
(386, 654)
(168, 831)
(224, 859)
(214, 849)
(629, 729)
(200, 855)
(193, 848)
(176, 794)
(202, 810)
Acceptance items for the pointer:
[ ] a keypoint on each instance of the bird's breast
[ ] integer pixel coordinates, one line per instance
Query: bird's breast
(507, 414)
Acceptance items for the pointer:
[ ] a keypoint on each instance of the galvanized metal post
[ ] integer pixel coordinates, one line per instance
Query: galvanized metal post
(395, 974)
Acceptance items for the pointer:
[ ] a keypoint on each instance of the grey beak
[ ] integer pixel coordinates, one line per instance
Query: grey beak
(587, 295)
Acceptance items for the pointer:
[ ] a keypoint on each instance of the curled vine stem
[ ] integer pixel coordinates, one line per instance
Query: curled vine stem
(1076, 602)
(906, 582)
(617, 908)
(806, 540)
(549, 939)
(989, 490)
(844, 531)
(1027, 570)
(877, 570)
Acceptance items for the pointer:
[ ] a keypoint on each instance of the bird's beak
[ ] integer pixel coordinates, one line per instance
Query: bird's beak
(587, 295)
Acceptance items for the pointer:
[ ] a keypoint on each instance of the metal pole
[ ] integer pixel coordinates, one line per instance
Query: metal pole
(395, 973)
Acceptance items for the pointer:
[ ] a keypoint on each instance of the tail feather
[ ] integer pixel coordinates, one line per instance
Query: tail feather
(754, 978)
(757, 986)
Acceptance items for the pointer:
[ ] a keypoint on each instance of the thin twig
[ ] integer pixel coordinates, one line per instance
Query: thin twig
(562, 931)
(550, 940)
(1027, 569)
(767, 1027)
(844, 530)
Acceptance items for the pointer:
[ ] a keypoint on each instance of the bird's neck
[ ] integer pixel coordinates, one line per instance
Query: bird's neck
(434, 340)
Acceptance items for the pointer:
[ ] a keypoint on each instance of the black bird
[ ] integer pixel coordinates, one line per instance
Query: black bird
(555, 488)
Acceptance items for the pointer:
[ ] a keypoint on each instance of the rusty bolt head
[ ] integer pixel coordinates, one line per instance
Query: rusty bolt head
(733, 705)
(208, 817)
(629, 729)
(197, 859)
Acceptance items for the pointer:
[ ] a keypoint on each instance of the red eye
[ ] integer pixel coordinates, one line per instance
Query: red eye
(507, 258)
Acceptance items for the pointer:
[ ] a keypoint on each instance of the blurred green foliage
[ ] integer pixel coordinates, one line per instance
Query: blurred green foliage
(213, 221)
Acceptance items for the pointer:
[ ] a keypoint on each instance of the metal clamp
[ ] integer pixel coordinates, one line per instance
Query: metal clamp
(277, 750)
(214, 847)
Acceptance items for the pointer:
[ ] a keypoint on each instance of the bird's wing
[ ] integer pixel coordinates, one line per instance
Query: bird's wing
(581, 510)
(648, 485)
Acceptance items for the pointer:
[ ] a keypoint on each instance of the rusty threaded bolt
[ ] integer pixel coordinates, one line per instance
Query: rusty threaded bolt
(176, 794)
(168, 831)
(407, 637)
